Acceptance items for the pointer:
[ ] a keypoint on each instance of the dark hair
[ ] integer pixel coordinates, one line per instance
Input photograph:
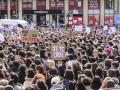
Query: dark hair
(37, 62)
(99, 72)
(69, 74)
(108, 63)
(110, 84)
(1, 47)
(30, 73)
(88, 65)
(88, 73)
(22, 73)
(115, 64)
(22, 53)
(94, 66)
(41, 85)
(72, 85)
(87, 81)
(30, 88)
(40, 69)
(8, 87)
(33, 65)
(53, 71)
(111, 73)
(29, 54)
(28, 62)
(96, 83)
(1, 54)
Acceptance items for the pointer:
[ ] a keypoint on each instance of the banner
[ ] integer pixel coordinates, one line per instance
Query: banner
(58, 52)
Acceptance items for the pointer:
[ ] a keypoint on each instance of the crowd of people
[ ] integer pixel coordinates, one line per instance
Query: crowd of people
(91, 61)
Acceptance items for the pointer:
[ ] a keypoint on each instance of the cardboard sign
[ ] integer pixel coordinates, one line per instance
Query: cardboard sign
(30, 36)
(25, 36)
(58, 52)
(34, 36)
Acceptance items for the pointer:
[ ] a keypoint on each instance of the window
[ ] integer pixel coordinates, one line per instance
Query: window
(3, 4)
(41, 4)
(109, 12)
(27, 4)
(94, 12)
(109, 4)
(57, 4)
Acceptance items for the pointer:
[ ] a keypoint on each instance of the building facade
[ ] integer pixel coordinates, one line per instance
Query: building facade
(59, 12)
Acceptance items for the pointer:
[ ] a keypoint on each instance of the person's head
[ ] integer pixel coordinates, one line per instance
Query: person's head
(88, 66)
(2, 74)
(40, 69)
(41, 85)
(110, 83)
(69, 74)
(2, 54)
(29, 54)
(111, 73)
(30, 73)
(4, 82)
(88, 73)
(72, 85)
(14, 78)
(30, 88)
(22, 53)
(22, 68)
(96, 83)
(53, 72)
(37, 62)
(28, 62)
(99, 72)
(16, 64)
(8, 87)
(33, 65)
(115, 64)
(108, 63)
(87, 81)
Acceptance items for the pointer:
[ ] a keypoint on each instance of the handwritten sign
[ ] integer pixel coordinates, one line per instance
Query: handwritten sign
(30, 36)
(58, 52)
(25, 36)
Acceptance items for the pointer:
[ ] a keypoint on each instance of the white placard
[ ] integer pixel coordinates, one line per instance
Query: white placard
(113, 29)
(106, 27)
(78, 28)
(88, 30)
(2, 39)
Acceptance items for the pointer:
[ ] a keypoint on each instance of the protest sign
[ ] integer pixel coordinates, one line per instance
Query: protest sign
(78, 28)
(34, 36)
(88, 30)
(25, 36)
(58, 52)
(2, 38)
(30, 36)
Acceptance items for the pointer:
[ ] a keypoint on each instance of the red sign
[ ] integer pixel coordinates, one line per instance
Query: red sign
(75, 20)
